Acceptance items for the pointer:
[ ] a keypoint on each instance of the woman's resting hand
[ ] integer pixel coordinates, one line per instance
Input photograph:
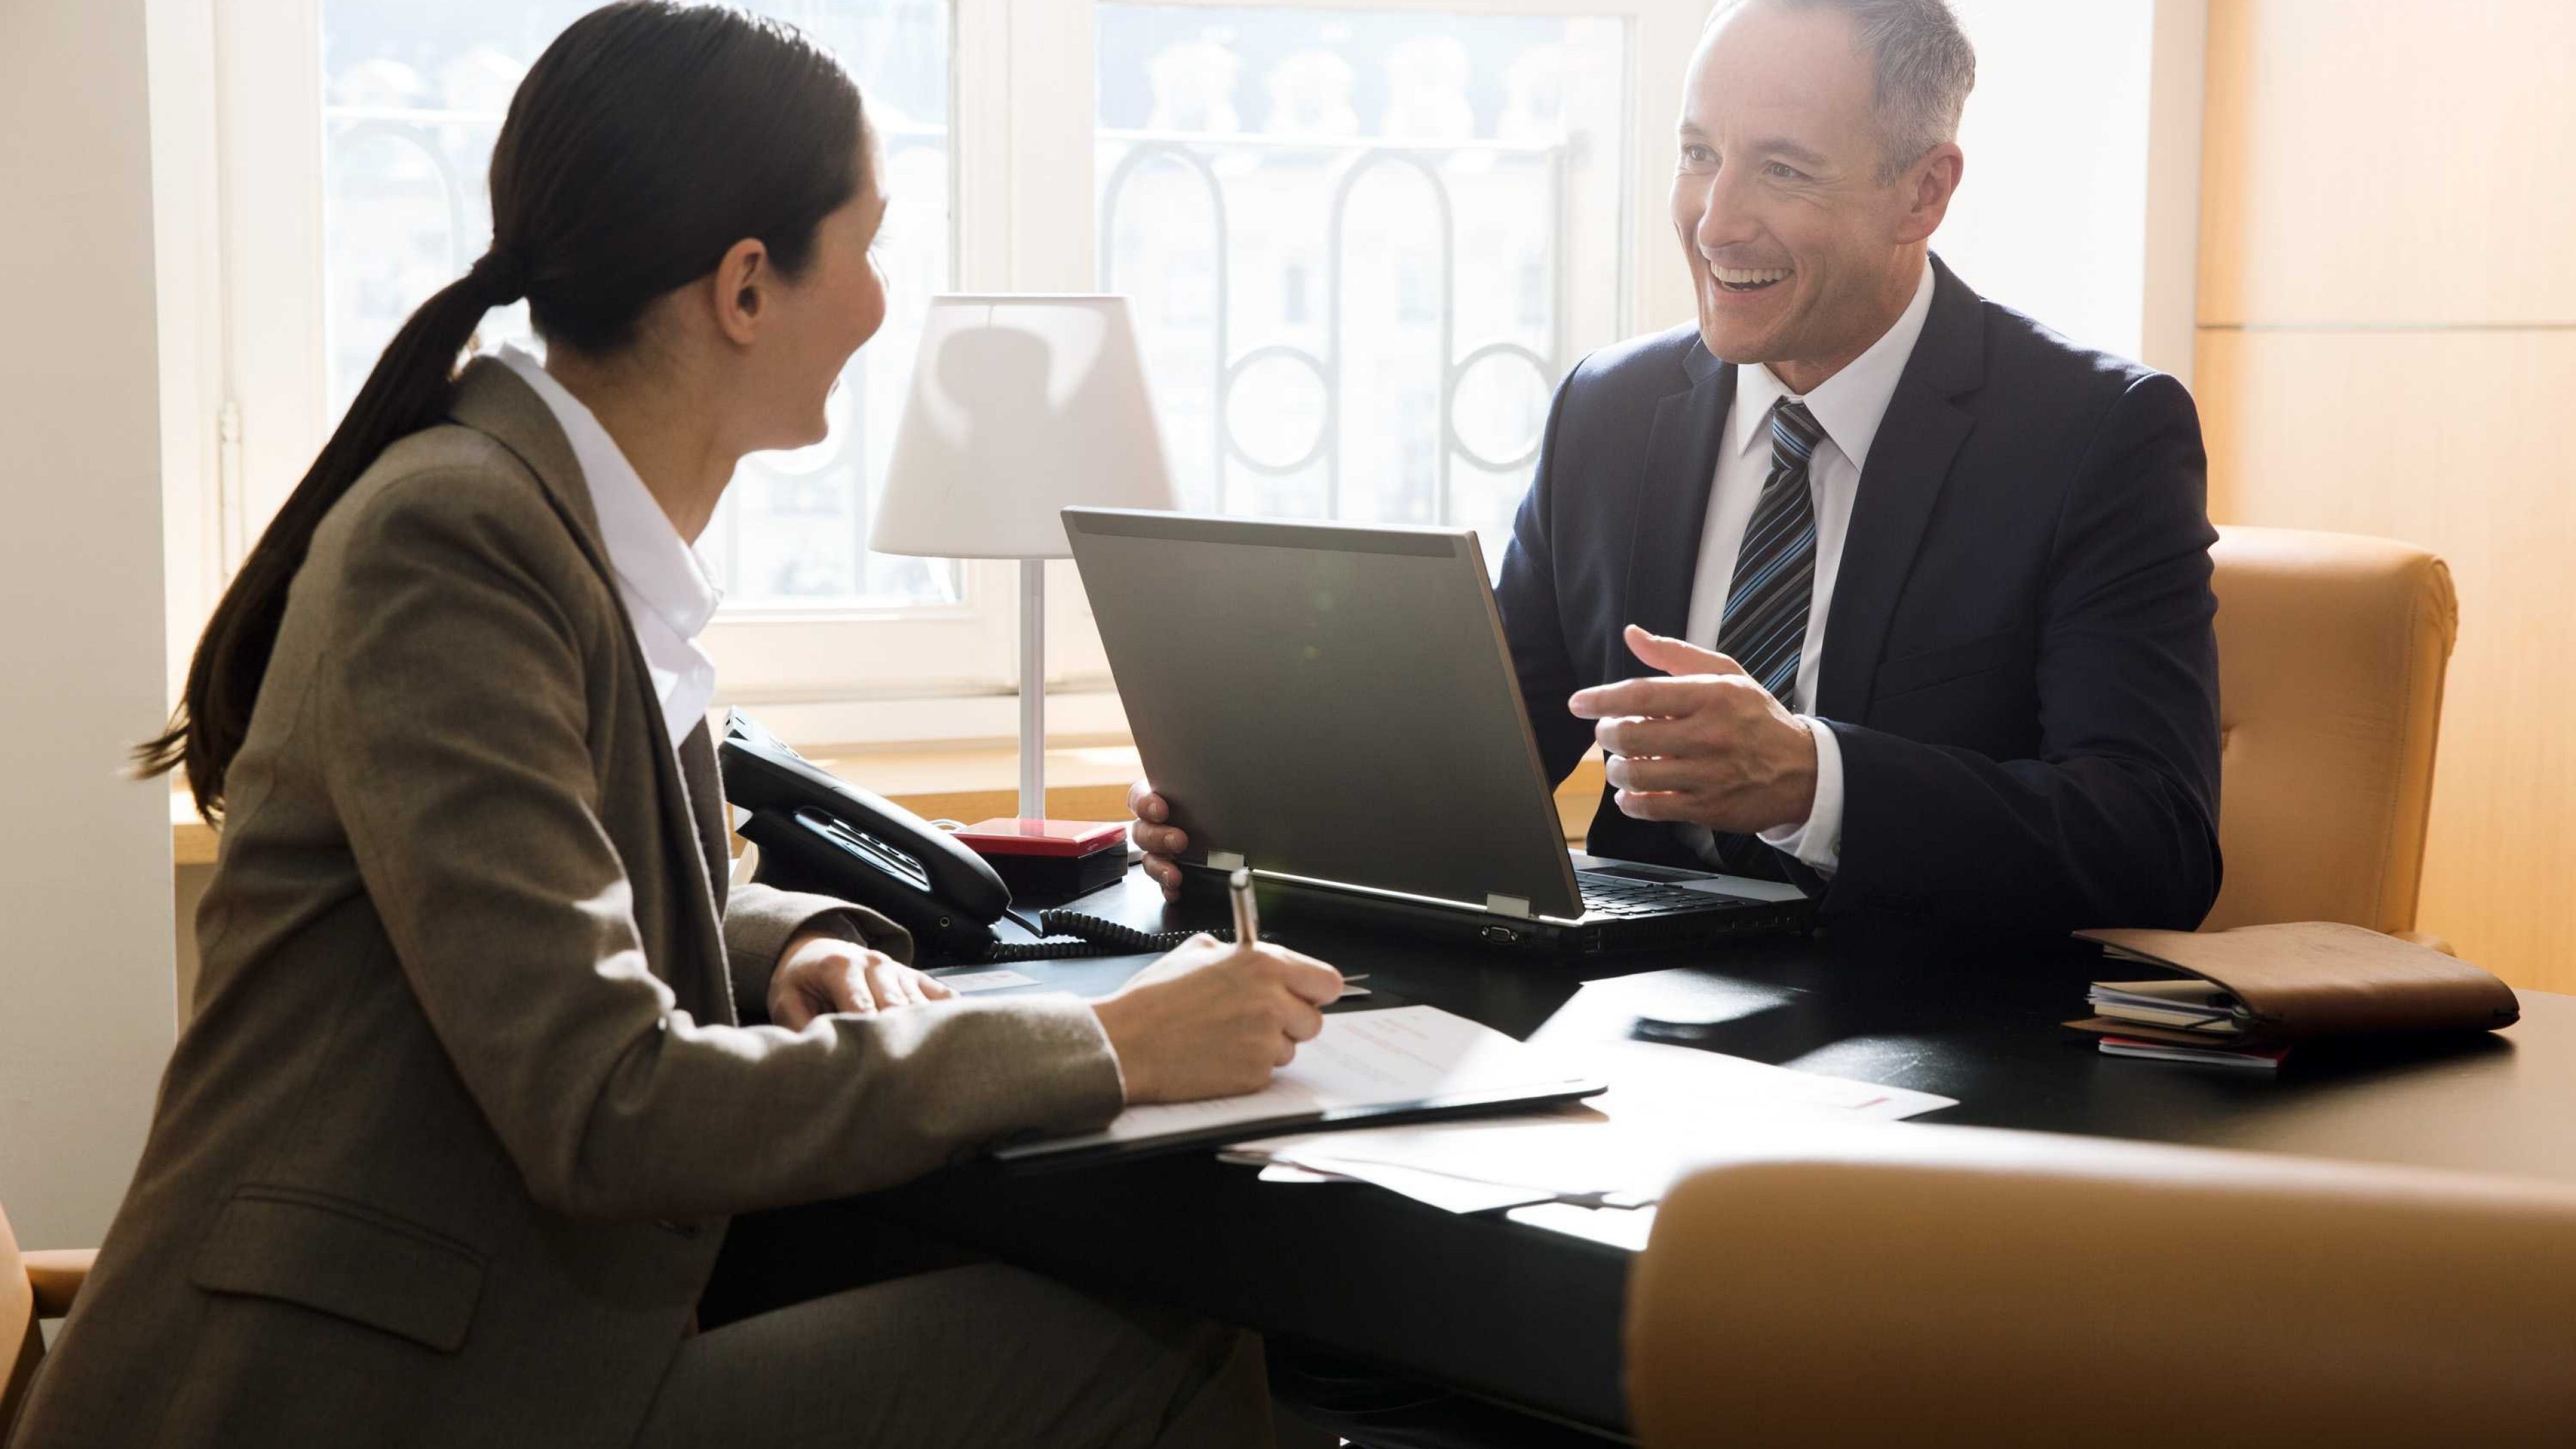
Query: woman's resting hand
(819, 974)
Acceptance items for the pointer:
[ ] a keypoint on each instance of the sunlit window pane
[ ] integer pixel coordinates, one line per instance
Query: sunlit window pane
(2052, 219)
(1364, 246)
(413, 99)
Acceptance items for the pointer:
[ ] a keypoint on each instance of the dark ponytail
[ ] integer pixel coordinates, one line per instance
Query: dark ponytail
(647, 140)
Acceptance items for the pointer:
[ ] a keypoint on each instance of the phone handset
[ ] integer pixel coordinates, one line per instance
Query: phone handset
(813, 850)
(819, 833)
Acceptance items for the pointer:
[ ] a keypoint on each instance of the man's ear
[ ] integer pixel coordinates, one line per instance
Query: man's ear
(1929, 184)
(741, 287)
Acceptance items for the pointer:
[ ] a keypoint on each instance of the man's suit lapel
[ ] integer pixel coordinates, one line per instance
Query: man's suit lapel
(1908, 461)
(492, 400)
(1672, 505)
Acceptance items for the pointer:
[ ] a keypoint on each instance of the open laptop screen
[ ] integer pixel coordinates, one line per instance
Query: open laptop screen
(1328, 701)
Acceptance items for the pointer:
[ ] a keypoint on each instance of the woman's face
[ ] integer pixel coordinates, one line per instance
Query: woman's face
(822, 317)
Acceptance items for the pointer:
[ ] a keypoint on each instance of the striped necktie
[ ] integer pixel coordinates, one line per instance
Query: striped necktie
(1765, 627)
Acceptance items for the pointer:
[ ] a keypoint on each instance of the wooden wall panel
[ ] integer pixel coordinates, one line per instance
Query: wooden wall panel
(2378, 162)
(2454, 441)
(2388, 346)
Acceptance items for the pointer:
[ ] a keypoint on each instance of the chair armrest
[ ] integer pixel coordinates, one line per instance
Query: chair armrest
(57, 1275)
(2426, 938)
(1951, 1285)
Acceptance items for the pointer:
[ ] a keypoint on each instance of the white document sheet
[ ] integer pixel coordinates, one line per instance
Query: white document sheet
(1449, 1194)
(1623, 1228)
(1282, 1172)
(963, 982)
(1649, 1079)
(1403, 1056)
(1667, 1107)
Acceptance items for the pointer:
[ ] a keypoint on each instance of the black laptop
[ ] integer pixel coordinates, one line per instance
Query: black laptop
(1334, 708)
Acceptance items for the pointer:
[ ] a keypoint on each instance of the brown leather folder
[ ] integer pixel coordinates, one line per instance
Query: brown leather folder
(2309, 979)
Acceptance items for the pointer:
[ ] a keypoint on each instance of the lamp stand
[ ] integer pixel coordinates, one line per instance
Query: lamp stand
(1033, 689)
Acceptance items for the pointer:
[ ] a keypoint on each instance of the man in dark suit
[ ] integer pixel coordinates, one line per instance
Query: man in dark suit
(1928, 585)
(1861, 580)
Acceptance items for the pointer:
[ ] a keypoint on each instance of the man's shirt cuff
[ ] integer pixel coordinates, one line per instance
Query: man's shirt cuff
(1817, 843)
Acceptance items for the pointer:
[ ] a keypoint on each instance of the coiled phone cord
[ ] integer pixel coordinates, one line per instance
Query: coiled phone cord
(1089, 935)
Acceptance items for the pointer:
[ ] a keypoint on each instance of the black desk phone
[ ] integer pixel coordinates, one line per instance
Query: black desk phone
(817, 833)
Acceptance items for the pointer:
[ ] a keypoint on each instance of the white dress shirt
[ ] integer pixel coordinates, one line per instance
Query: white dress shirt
(1849, 407)
(667, 593)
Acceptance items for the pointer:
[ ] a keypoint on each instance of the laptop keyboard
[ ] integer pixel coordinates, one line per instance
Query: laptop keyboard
(1609, 895)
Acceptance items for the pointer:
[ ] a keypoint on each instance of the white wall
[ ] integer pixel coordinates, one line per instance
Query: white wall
(2051, 217)
(2080, 205)
(86, 1010)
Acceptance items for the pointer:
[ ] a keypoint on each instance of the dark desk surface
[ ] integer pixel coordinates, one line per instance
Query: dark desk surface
(1534, 1317)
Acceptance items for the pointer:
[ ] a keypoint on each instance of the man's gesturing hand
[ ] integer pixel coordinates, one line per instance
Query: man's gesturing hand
(1707, 745)
(1159, 839)
(1213, 1020)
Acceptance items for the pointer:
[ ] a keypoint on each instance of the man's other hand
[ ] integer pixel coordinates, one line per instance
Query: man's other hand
(1157, 837)
(1705, 745)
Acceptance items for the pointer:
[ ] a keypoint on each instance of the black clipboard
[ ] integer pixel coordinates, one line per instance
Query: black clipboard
(1040, 1154)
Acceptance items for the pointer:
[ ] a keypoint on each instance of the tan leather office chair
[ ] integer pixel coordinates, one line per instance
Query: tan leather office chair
(33, 1286)
(1947, 1285)
(2331, 653)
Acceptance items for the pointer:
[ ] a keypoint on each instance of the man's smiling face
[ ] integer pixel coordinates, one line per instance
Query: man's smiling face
(1801, 254)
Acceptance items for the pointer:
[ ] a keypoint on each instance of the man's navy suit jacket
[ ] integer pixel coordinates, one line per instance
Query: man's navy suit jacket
(2019, 661)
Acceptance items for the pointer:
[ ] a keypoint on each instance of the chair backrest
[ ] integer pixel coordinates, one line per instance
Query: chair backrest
(1948, 1285)
(2331, 653)
(22, 1344)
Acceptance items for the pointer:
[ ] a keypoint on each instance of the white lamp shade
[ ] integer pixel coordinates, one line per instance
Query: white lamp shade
(1020, 406)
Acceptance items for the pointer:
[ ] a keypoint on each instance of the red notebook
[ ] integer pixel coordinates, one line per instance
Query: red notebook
(1064, 839)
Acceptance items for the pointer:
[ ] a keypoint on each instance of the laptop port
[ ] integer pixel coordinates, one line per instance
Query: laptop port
(1500, 935)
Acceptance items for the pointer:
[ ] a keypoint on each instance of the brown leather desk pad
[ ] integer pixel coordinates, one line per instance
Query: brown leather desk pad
(2307, 979)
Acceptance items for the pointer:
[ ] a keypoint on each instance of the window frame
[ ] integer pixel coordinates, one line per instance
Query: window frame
(240, 154)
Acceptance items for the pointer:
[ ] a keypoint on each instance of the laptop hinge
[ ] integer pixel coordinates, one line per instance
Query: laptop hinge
(1224, 860)
(1507, 906)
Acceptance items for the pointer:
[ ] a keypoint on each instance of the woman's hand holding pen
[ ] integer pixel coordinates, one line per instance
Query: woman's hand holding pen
(1213, 1019)
(819, 974)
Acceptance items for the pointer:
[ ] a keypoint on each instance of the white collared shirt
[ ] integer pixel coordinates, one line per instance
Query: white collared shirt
(1849, 407)
(665, 587)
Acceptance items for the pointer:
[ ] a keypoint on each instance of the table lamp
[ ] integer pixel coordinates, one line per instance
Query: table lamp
(1020, 406)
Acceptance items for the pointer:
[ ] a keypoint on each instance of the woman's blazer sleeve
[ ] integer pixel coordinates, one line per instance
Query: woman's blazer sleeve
(453, 722)
(760, 920)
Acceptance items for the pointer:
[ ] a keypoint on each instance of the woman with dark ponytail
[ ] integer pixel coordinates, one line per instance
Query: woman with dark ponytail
(485, 1051)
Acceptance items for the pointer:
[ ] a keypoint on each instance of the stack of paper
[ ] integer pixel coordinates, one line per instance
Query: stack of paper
(2187, 1005)
(2176, 1014)
(2261, 1059)
(1626, 1231)
(1594, 1168)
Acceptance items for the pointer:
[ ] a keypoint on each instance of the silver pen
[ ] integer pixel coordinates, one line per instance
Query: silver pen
(1247, 916)
(1247, 920)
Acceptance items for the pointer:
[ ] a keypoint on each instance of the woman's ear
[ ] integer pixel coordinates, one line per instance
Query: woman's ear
(741, 284)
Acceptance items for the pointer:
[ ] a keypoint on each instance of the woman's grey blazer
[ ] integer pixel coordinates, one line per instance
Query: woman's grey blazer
(447, 1151)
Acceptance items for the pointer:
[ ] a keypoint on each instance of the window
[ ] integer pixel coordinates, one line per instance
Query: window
(1433, 164)
(2055, 219)
(354, 138)
(1364, 242)
(413, 101)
